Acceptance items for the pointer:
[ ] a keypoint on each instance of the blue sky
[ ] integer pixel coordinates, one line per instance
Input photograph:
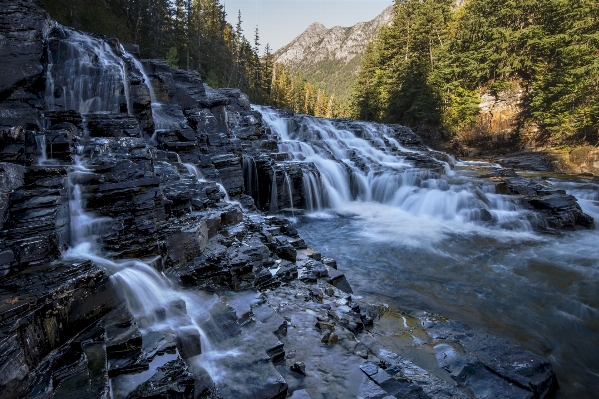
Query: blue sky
(280, 21)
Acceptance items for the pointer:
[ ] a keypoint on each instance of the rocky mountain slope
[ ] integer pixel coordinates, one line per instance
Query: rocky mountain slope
(331, 56)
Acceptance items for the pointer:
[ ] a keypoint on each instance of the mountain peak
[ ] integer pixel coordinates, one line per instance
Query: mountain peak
(318, 42)
(316, 26)
(319, 51)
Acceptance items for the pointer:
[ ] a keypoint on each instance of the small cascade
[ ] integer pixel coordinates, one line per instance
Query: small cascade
(250, 177)
(193, 170)
(366, 163)
(40, 141)
(147, 293)
(274, 203)
(225, 193)
(162, 120)
(85, 74)
(287, 183)
(312, 191)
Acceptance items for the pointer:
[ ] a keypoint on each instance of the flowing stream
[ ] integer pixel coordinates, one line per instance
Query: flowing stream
(450, 243)
(149, 295)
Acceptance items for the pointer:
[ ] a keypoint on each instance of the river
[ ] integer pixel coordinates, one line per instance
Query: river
(537, 290)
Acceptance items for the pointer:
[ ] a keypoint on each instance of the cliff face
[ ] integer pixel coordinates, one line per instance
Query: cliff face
(500, 124)
(331, 56)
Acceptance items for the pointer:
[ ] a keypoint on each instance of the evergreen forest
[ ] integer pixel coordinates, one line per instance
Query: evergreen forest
(430, 67)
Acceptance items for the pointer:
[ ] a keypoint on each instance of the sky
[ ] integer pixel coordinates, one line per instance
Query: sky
(280, 21)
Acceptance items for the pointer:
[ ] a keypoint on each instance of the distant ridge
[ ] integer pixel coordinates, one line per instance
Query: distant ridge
(331, 57)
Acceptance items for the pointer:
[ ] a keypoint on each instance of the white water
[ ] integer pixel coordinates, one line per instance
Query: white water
(250, 174)
(89, 76)
(365, 173)
(40, 141)
(273, 204)
(162, 120)
(287, 183)
(449, 242)
(147, 293)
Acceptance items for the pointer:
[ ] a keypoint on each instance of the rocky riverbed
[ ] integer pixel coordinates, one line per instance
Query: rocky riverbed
(143, 254)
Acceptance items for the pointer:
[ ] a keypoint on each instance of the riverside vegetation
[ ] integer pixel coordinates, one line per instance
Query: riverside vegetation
(430, 68)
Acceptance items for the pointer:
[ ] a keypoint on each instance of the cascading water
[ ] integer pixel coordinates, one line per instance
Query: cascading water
(450, 243)
(147, 293)
(250, 177)
(85, 74)
(162, 120)
(287, 183)
(274, 194)
(312, 191)
(371, 166)
(40, 141)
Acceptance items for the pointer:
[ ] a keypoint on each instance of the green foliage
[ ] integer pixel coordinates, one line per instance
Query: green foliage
(172, 58)
(92, 15)
(429, 67)
(292, 91)
(394, 84)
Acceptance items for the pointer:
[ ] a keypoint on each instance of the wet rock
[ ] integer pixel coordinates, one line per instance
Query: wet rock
(22, 23)
(186, 241)
(337, 279)
(213, 98)
(287, 252)
(276, 352)
(557, 209)
(299, 367)
(330, 338)
(287, 271)
(123, 344)
(12, 177)
(43, 307)
(173, 380)
(239, 101)
(37, 227)
(330, 262)
(188, 342)
(112, 125)
(17, 145)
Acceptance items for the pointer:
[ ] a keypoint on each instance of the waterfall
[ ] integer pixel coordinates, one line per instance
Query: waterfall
(250, 177)
(85, 74)
(274, 203)
(312, 191)
(362, 162)
(40, 140)
(162, 120)
(147, 293)
(287, 183)
(193, 170)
